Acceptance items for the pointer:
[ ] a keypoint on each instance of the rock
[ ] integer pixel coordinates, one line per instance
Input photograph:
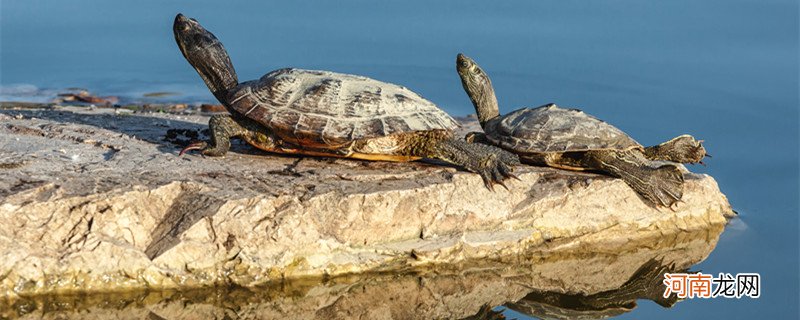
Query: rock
(101, 202)
(160, 94)
(161, 107)
(178, 107)
(602, 284)
(24, 105)
(86, 97)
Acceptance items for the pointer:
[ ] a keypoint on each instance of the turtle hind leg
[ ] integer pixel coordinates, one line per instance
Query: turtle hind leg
(681, 149)
(223, 128)
(493, 164)
(667, 185)
(662, 186)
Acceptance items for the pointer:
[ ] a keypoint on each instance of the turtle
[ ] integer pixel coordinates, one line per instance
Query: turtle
(571, 139)
(328, 114)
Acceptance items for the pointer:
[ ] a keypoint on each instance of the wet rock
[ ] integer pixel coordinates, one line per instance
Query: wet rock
(162, 107)
(102, 203)
(160, 94)
(178, 107)
(85, 97)
(24, 105)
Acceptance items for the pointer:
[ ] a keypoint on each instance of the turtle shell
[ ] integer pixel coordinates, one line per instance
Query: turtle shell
(328, 109)
(550, 129)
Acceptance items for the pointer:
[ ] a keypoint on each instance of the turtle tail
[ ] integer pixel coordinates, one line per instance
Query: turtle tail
(662, 186)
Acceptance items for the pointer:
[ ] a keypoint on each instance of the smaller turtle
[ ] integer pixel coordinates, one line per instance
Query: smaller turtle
(323, 113)
(571, 139)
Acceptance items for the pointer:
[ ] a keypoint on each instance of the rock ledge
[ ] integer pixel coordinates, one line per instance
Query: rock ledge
(94, 201)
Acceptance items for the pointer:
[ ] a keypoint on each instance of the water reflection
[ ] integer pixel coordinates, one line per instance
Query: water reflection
(568, 281)
(646, 283)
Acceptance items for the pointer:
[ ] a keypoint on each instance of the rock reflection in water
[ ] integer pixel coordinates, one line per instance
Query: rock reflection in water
(561, 281)
(646, 283)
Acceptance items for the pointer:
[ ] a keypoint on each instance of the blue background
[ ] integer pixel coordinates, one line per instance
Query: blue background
(724, 71)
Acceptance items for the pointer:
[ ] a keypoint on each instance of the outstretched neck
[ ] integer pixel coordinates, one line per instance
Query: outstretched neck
(485, 103)
(481, 92)
(215, 67)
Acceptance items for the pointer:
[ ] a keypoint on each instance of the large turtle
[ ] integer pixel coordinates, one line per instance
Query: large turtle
(571, 139)
(321, 113)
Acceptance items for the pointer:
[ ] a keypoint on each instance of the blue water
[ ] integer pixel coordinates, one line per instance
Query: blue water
(725, 71)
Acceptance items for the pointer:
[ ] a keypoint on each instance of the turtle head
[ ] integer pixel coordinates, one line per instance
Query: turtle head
(206, 54)
(478, 87)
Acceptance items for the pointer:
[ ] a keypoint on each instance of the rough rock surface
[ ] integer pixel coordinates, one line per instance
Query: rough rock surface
(556, 284)
(97, 200)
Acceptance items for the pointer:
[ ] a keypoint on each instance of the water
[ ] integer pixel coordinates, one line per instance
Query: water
(724, 71)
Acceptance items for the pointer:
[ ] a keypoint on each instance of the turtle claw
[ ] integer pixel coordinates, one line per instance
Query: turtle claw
(200, 145)
(506, 172)
(498, 169)
(500, 182)
(487, 182)
(498, 176)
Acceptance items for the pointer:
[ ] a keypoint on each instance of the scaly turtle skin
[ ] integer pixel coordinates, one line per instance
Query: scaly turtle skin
(321, 113)
(571, 139)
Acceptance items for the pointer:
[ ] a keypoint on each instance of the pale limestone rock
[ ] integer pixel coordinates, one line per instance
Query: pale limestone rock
(529, 283)
(95, 201)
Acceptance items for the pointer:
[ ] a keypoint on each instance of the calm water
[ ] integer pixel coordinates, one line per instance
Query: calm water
(725, 71)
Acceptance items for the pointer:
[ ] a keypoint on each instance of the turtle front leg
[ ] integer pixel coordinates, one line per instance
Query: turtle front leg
(493, 164)
(223, 128)
(681, 149)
